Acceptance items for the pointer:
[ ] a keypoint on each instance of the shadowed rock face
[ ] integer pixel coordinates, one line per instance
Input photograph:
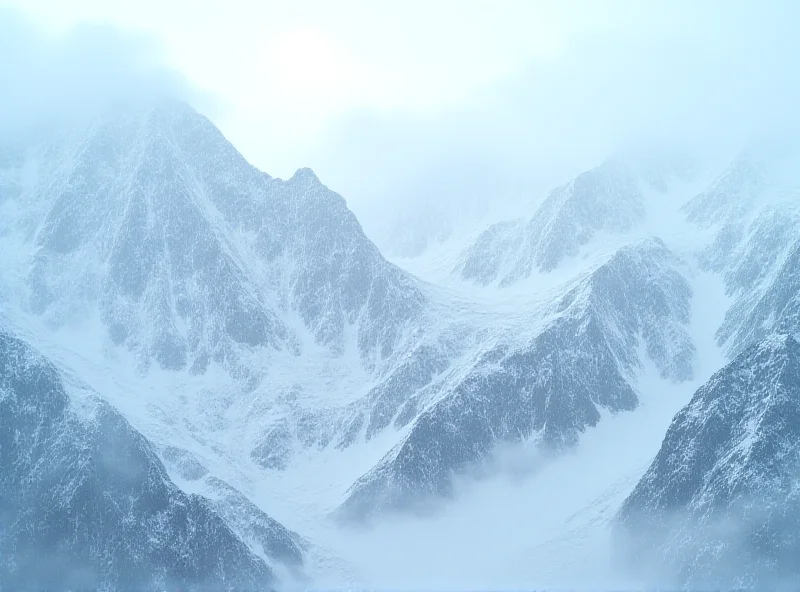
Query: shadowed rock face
(603, 199)
(527, 393)
(189, 254)
(719, 508)
(86, 504)
(549, 390)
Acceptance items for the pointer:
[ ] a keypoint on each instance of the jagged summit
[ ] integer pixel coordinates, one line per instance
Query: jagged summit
(304, 174)
(130, 225)
(604, 199)
(151, 219)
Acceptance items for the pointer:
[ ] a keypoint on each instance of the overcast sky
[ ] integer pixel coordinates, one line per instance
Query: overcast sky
(287, 70)
(420, 102)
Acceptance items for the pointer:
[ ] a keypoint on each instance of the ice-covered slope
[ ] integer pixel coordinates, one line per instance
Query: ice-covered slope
(719, 506)
(85, 502)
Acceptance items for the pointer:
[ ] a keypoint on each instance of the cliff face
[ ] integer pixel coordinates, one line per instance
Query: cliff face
(85, 503)
(719, 507)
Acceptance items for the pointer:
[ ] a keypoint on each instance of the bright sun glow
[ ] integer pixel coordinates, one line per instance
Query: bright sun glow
(307, 61)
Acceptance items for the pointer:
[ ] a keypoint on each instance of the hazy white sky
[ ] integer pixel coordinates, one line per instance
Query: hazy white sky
(287, 70)
(428, 102)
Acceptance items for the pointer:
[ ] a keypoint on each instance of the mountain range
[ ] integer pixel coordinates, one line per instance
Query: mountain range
(201, 363)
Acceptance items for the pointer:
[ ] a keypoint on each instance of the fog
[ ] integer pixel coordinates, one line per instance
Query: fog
(602, 79)
(525, 520)
(692, 78)
(706, 548)
(50, 77)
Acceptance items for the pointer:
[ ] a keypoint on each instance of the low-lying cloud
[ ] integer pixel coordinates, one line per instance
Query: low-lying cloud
(525, 520)
(47, 77)
(705, 79)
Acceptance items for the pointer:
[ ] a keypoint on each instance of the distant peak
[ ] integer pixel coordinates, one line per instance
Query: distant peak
(176, 113)
(305, 174)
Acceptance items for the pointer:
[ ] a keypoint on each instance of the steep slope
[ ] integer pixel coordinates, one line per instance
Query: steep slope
(753, 213)
(603, 199)
(548, 388)
(86, 504)
(765, 277)
(150, 219)
(719, 506)
(733, 194)
(148, 225)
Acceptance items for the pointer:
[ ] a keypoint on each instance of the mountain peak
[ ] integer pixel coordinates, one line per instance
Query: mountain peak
(191, 255)
(305, 175)
(603, 200)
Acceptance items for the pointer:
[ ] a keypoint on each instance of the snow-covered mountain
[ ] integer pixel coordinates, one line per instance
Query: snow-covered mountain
(719, 506)
(548, 387)
(85, 503)
(282, 372)
(152, 221)
(604, 199)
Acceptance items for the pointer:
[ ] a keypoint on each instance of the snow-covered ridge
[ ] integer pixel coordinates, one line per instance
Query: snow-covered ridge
(604, 199)
(547, 387)
(191, 255)
(753, 213)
